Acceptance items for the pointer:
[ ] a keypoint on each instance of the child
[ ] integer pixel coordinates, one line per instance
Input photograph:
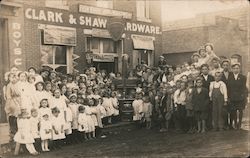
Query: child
(189, 106)
(13, 103)
(115, 104)
(73, 105)
(24, 134)
(68, 124)
(147, 109)
(45, 132)
(58, 123)
(85, 122)
(59, 101)
(137, 106)
(44, 108)
(107, 104)
(200, 102)
(34, 120)
(218, 96)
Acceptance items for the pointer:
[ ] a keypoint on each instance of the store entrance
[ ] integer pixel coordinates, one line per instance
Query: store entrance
(108, 66)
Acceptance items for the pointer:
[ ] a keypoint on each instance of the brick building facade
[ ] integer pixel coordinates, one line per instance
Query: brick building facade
(227, 30)
(69, 35)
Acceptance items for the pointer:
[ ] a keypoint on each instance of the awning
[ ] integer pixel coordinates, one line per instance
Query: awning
(143, 42)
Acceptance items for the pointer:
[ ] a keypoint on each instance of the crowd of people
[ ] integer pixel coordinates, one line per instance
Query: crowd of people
(201, 95)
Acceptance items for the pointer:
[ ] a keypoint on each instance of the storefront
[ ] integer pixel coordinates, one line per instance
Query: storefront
(70, 41)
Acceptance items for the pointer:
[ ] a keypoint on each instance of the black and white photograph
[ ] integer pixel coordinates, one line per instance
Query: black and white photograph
(124, 78)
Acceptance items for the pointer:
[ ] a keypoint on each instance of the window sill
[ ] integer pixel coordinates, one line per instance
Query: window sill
(144, 19)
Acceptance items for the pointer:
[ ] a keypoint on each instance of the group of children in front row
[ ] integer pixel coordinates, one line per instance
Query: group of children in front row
(60, 121)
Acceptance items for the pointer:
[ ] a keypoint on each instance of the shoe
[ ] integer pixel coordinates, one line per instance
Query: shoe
(47, 150)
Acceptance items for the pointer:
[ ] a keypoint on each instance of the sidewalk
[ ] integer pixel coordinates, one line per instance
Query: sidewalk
(4, 133)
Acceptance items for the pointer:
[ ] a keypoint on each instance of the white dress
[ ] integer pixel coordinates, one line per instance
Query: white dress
(107, 104)
(85, 121)
(74, 110)
(68, 123)
(24, 134)
(137, 106)
(42, 111)
(45, 126)
(102, 110)
(115, 104)
(57, 123)
(39, 95)
(93, 115)
(60, 103)
(34, 127)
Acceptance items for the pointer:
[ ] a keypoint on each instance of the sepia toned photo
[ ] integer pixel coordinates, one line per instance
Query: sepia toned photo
(124, 78)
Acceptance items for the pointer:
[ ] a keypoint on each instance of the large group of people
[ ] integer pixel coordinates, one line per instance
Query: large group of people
(197, 96)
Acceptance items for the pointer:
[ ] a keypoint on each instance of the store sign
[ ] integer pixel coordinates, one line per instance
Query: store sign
(104, 11)
(100, 57)
(72, 19)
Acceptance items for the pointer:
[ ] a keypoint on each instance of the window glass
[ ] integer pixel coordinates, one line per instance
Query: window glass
(141, 8)
(95, 43)
(60, 55)
(108, 46)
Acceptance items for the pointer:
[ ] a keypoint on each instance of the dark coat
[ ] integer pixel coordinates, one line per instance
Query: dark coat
(237, 90)
(200, 100)
(206, 83)
(224, 79)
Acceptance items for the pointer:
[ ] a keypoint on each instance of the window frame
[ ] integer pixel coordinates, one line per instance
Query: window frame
(64, 4)
(146, 16)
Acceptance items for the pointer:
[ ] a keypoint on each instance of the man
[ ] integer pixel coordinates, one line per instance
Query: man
(225, 64)
(207, 79)
(162, 62)
(237, 94)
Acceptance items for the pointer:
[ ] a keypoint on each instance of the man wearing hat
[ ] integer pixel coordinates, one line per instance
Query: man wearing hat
(237, 94)
(162, 62)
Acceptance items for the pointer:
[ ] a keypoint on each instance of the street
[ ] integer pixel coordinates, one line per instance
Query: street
(150, 143)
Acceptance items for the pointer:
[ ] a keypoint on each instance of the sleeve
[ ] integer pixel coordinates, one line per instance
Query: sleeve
(224, 88)
(211, 89)
(7, 92)
(175, 96)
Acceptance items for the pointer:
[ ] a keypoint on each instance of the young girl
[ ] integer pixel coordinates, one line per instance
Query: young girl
(59, 101)
(115, 104)
(13, 104)
(40, 94)
(137, 106)
(44, 108)
(200, 102)
(107, 104)
(45, 132)
(58, 123)
(147, 109)
(24, 134)
(73, 105)
(86, 123)
(68, 124)
(34, 120)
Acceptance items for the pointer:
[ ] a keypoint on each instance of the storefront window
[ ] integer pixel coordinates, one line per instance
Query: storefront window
(102, 45)
(55, 57)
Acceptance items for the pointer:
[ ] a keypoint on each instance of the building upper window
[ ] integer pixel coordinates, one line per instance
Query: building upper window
(60, 4)
(142, 10)
(105, 4)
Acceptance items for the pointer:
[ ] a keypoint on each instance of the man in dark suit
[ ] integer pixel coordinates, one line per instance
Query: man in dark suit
(225, 64)
(237, 95)
(207, 79)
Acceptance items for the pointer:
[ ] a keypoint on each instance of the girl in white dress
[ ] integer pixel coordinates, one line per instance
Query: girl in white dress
(34, 120)
(85, 122)
(45, 132)
(115, 104)
(73, 105)
(40, 94)
(27, 100)
(59, 101)
(24, 133)
(44, 108)
(137, 106)
(107, 104)
(68, 124)
(58, 123)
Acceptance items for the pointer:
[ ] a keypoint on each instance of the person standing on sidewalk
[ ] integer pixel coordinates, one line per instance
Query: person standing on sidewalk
(218, 96)
(237, 91)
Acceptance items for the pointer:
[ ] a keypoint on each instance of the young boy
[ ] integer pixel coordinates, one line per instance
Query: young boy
(218, 96)
(200, 103)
